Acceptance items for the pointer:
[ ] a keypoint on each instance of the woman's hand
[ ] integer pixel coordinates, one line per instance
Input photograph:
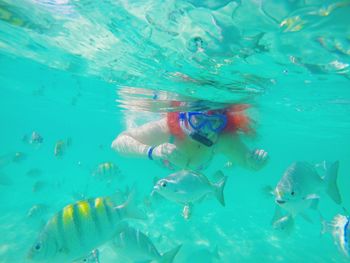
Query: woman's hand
(257, 159)
(169, 155)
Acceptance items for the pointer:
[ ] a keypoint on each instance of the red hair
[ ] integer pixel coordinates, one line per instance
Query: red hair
(237, 119)
(174, 125)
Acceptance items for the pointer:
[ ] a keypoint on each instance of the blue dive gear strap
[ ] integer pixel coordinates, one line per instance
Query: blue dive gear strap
(346, 230)
(150, 151)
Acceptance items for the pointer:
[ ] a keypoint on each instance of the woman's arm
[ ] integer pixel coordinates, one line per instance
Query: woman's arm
(137, 141)
(238, 153)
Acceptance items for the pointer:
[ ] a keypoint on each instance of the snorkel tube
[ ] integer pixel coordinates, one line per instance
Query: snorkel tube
(196, 130)
(202, 139)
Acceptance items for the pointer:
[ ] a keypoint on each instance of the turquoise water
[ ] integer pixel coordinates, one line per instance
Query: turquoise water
(81, 72)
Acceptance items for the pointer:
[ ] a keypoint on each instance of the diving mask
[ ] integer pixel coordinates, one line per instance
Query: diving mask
(203, 127)
(215, 122)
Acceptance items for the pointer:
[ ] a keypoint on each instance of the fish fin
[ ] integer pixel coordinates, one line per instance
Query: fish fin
(268, 191)
(187, 211)
(284, 228)
(326, 227)
(292, 222)
(64, 250)
(338, 222)
(128, 190)
(181, 192)
(115, 243)
(218, 175)
(215, 253)
(219, 190)
(200, 200)
(96, 255)
(155, 196)
(312, 197)
(277, 215)
(168, 257)
(306, 217)
(331, 179)
(118, 197)
(69, 141)
(155, 180)
(121, 227)
(93, 255)
(130, 208)
(314, 204)
(81, 259)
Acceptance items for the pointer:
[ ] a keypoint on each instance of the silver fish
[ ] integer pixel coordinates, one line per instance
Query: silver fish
(284, 225)
(36, 138)
(34, 173)
(136, 246)
(187, 187)
(38, 186)
(12, 158)
(301, 186)
(37, 210)
(19, 157)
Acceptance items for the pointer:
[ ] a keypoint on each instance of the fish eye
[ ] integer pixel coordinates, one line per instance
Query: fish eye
(163, 184)
(292, 193)
(37, 247)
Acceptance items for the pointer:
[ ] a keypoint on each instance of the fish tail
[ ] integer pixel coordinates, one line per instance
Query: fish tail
(331, 180)
(168, 257)
(337, 224)
(277, 215)
(130, 209)
(219, 190)
(326, 227)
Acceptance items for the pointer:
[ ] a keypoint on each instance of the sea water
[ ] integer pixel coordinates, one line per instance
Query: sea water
(80, 72)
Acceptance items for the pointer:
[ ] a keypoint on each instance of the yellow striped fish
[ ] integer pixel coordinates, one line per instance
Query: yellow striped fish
(79, 228)
(107, 171)
(60, 147)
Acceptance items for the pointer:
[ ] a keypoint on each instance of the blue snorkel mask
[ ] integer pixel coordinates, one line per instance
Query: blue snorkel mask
(202, 126)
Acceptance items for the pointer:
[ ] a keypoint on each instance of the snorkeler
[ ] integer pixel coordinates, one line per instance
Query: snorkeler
(189, 140)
